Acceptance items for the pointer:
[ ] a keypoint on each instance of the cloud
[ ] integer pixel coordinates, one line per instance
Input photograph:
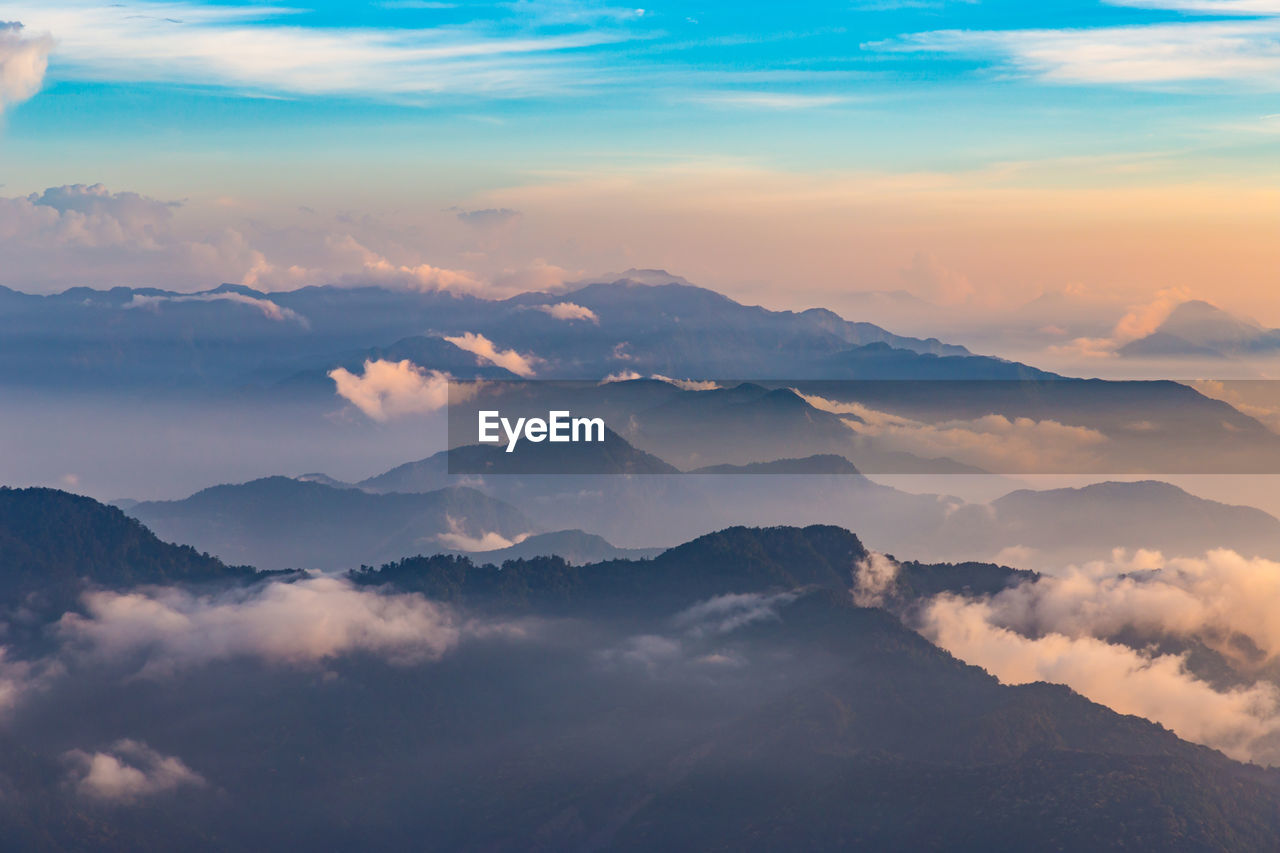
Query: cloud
(648, 651)
(389, 389)
(269, 49)
(568, 311)
(1240, 51)
(23, 62)
(1159, 687)
(459, 539)
(1067, 628)
(483, 348)
(1139, 320)
(770, 100)
(992, 442)
(129, 771)
(489, 217)
(688, 384)
(682, 384)
(266, 307)
(1210, 7)
(302, 623)
(86, 215)
(726, 613)
(697, 631)
(873, 577)
(18, 677)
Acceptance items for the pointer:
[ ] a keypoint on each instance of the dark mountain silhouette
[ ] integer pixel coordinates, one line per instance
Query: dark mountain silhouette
(659, 714)
(53, 544)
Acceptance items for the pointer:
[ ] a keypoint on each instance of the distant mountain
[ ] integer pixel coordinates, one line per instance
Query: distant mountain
(234, 336)
(1202, 330)
(615, 456)
(1086, 523)
(575, 547)
(818, 464)
(53, 544)
(280, 523)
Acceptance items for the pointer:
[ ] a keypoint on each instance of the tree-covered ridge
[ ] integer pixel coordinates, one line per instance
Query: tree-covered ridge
(54, 542)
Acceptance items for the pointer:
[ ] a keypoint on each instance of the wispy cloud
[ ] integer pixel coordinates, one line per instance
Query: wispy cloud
(484, 349)
(770, 100)
(267, 49)
(268, 309)
(1244, 50)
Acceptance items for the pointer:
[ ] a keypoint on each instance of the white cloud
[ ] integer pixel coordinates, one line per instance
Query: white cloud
(266, 307)
(128, 772)
(1064, 628)
(1138, 321)
(87, 216)
(459, 539)
(569, 311)
(688, 384)
(483, 348)
(992, 442)
(682, 384)
(389, 389)
(771, 100)
(873, 577)
(1211, 7)
(1234, 51)
(301, 623)
(257, 48)
(23, 62)
(1159, 687)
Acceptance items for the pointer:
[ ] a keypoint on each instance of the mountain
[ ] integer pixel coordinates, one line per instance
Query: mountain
(1201, 329)
(1065, 525)
(576, 547)
(726, 694)
(280, 523)
(233, 336)
(817, 464)
(53, 544)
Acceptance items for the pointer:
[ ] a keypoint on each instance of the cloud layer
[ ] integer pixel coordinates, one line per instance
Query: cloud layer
(302, 623)
(1068, 629)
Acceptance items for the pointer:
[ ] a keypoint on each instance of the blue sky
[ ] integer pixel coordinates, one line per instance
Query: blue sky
(799, 85)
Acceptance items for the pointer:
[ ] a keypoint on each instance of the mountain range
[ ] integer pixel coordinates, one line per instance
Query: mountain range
(761, 709)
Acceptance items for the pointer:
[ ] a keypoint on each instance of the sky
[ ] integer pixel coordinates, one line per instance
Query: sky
(980, 154)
